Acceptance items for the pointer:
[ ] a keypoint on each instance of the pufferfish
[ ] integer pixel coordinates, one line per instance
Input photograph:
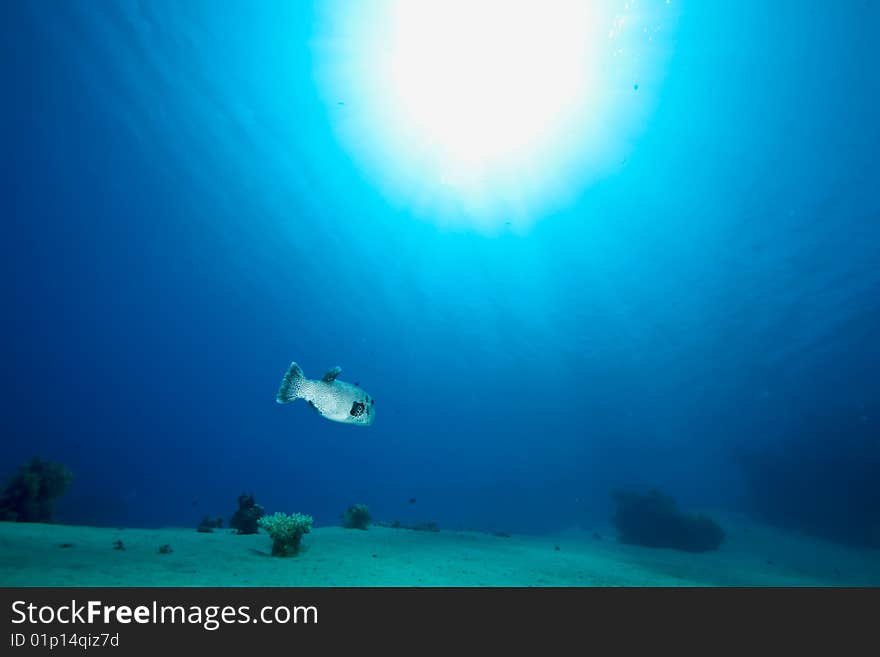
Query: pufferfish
(335, 400)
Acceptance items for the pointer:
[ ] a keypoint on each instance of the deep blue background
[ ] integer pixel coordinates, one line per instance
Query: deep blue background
(180, 223)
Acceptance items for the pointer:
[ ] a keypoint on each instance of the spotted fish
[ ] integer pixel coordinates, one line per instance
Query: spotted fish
(334, 399)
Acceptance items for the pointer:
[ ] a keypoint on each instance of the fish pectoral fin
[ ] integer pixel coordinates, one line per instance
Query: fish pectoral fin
(331, 374)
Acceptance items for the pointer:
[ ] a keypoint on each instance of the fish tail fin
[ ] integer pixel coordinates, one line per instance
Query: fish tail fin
(290, 385)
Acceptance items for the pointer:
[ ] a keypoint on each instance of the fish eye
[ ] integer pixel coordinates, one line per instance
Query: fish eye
(357, 409)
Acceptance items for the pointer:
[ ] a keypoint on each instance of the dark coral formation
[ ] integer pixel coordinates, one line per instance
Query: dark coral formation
(654, 520)
(357, 516)
(31, 493)
(208, 524)
(245, 519)
(428, 526)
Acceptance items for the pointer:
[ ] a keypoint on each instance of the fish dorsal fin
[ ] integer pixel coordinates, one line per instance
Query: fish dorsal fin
(331, 374)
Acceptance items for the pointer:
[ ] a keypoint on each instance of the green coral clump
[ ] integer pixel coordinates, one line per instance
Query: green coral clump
(286, 532)
(357, 516)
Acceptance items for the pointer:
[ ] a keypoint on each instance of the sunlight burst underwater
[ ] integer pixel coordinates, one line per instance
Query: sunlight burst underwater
(493, 114)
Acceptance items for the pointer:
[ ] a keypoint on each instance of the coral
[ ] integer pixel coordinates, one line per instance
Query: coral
(654, 520)
(428, 526)
(357, 516)
(245, 519)
(31, 493)
(208, 524)
(286, 532)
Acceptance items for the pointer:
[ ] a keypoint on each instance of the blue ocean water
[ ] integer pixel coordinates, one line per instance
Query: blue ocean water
(184, 215)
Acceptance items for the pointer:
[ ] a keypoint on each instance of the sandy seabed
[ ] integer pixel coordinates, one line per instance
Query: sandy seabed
(752, 555)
